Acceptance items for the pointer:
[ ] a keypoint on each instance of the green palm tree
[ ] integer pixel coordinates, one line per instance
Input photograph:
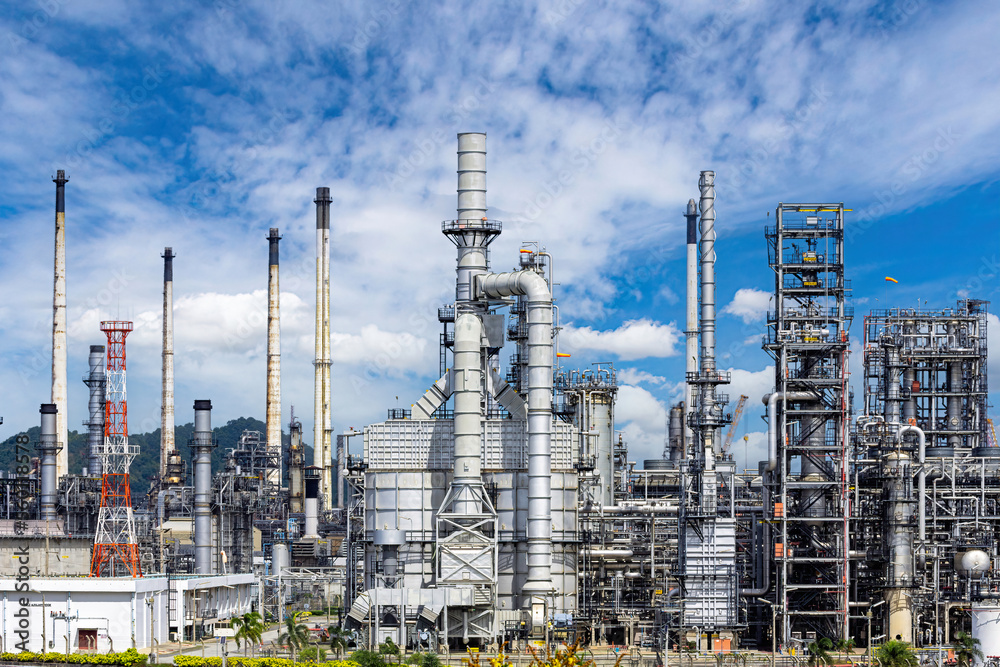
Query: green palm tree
(967, 650)
(296, 634)
(338, 639)
(845, 646)
(819, 652)
(249, 628)
(896, 654)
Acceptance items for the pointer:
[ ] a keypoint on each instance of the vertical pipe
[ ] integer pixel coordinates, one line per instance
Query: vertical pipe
(467, 392)
(341, 466)
(167, 444)
(321, 412)
(691, 328)
(95, 425)
(48, 445)
(295, 466)
(59, 326)
(203, 443)
(708, 408)
(273, 407)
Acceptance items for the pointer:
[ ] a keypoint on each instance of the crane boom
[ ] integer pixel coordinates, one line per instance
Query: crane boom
(737, 413)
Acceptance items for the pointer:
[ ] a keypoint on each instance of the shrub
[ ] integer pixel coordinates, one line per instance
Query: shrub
(366, 658)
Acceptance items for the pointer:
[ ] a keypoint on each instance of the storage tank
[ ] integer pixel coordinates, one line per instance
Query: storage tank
(986, 628)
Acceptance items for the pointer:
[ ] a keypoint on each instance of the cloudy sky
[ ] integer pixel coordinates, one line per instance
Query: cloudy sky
(200, 125)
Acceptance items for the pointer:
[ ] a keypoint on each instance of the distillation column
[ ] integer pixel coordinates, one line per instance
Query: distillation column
(203, 443)
(95, 425)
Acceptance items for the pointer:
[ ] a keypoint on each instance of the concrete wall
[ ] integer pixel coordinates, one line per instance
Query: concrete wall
(57, 556)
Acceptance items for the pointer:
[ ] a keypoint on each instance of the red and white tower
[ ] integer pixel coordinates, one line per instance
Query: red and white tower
(115, 550)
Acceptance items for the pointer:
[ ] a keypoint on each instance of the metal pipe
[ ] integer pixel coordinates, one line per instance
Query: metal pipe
(322, 425)
(921, 478)
(203, 443)
(691, 328)
(49, 446)
(771, 400)
(472, 260)
(273, 401)
(341, 468)
(95, 425)
(59, 388)
(540, 358)
(675, 432)
(167, 444)
(467, 392)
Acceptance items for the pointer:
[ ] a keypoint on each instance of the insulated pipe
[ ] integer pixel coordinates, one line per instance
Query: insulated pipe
(468, 383)
(59, 388)
(771, 400)
(675, 432)
(539, 312)
(341, 467)
(48, 445)
(706, 184)
(95, 426)
(167, 444)
(691, 329)
(921, 478)
(203, 443)
(273, 406)
(321, 390)
(954, 404)
(754, 592)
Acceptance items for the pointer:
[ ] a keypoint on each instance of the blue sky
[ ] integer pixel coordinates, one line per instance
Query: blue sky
(201, 125)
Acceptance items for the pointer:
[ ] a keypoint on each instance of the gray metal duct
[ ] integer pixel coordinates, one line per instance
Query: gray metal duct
(322, 424)
(95, 425)
(203, 443)
(59, 388)
(539, 312)
(467, 392)
(273, 401)
(691, 329)
(48, 446)
(168, 446)
(707, 406)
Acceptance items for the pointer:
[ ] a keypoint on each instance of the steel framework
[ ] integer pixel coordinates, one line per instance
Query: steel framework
(806, 488)
(116, 552)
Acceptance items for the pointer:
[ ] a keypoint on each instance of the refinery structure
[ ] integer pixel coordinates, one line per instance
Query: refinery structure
(502, 506)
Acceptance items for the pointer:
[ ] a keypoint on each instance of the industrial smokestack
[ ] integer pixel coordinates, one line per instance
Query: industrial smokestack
(322, 425)
(296, 461)
(95, 425)
(48, 446)
(471, 232)
(168, 446)
(707, 405)
(312, 502)
(59, 326)
(273, 359)
(691, 329)
(203, 443)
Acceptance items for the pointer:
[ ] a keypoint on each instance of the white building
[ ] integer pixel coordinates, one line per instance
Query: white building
(70, 614)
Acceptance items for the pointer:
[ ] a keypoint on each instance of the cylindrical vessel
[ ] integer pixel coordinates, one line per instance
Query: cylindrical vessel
(468, 418)
(312, 506)
(986, 628)
(675, 430)
(48, 446)
(167, 444)
(472, 260)
(95, 425)
(203, 561)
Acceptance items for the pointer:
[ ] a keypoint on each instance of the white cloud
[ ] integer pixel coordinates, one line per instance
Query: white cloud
(993, 345)
(749, 304)
(753, 384)
(634, 339)
(637, 376)
(641, 418)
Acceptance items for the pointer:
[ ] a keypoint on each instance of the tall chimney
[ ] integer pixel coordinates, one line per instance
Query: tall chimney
(691, 330)
(203, 444)
(95, 425)
(59, 327)
(273, 411)
(168, 446)
(322, 426)
(48, 446)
